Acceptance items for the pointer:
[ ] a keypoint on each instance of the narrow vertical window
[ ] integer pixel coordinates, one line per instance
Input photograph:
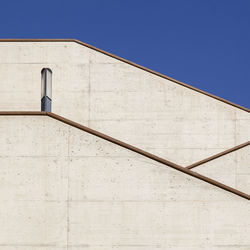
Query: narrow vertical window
(46, 90)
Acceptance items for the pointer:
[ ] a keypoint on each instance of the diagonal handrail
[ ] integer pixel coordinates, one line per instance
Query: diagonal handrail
(132, 148)
(149, 155)
(213, 157)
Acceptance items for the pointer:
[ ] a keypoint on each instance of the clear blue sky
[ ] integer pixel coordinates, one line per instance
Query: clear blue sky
(204, 43)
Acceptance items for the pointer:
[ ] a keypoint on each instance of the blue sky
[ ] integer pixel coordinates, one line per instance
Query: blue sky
(203, 43)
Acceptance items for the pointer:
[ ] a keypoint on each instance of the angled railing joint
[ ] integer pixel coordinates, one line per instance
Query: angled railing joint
(132, 148)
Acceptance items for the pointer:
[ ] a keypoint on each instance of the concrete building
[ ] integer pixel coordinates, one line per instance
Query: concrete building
(169, 167)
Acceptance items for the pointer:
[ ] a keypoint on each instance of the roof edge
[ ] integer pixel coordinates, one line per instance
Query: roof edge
(133, 64)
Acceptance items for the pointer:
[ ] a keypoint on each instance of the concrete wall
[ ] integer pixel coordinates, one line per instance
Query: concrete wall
(232, 169)
(120, 100)
(61, 188)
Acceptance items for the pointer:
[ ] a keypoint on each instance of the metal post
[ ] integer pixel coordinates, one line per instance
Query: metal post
(46, 90)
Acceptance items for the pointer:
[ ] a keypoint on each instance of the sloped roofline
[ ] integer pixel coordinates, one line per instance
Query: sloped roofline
(131, 63)
(213, 157)
(129, 147)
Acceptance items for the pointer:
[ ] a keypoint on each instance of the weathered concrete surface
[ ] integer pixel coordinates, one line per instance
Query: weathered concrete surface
(120, 100)
(232, 169)
(61, 188)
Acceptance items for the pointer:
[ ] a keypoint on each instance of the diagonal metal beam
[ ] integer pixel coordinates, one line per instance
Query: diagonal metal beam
(228, 151)
(132, 148)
